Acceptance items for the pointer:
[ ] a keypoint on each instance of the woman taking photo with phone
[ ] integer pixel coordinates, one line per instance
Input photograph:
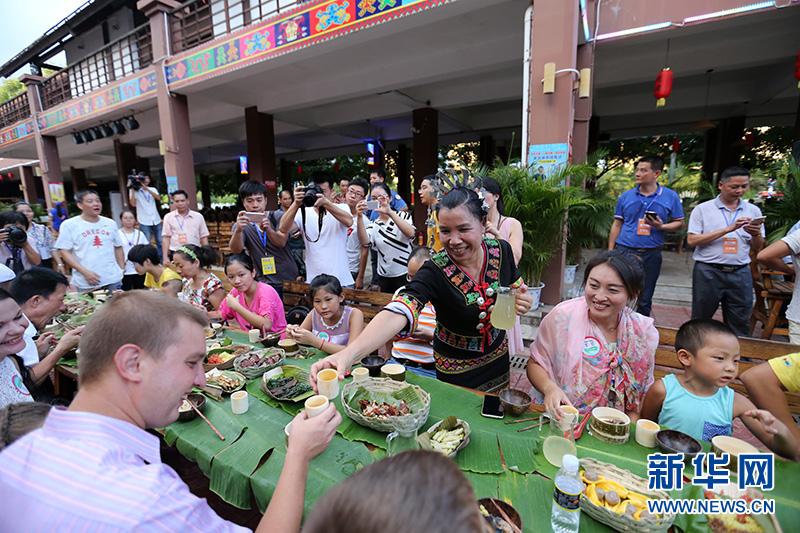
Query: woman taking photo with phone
(461, 282)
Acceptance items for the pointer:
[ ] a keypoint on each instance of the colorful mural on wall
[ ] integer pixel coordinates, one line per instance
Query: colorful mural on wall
(101, 100)
(16, 132)
(298, 28)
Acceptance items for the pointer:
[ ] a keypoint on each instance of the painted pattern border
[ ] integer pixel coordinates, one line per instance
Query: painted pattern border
(16, 132)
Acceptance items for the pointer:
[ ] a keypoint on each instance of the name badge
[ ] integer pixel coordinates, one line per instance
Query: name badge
(730, 245)
(182, 238)
(643, 228)
(268, 266)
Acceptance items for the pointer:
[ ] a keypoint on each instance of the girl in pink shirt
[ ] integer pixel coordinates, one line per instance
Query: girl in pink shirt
(253, 304)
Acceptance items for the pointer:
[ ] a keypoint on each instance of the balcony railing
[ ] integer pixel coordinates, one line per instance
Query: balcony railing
(199, 21)
(14, 110)
(126, 55)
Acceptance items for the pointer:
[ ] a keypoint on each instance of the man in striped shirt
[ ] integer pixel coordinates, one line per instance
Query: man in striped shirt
(416, 351)
(95, 467)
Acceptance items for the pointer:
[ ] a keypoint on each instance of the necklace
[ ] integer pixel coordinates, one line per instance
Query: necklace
(333, 327)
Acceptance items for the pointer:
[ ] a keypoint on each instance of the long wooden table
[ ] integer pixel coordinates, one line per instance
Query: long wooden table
(499, 461)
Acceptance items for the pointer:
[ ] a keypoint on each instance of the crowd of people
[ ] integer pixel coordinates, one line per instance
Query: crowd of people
(143, 351)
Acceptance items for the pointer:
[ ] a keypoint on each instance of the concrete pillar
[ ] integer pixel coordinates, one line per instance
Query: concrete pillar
(583, 110)
(261, 150)
(404, 174)
(28, 184)
(486, 151)
(723, 146)
(425, 127)
(554, 39)
(79, 182)
(125, 154)
(173, 108)
(205, 190)
(46, 146)
(286, 174)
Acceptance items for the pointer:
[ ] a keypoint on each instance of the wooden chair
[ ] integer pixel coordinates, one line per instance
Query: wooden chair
(772, 296)
(753, 352)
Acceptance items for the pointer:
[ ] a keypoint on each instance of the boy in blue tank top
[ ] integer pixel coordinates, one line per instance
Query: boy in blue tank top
(699, 401)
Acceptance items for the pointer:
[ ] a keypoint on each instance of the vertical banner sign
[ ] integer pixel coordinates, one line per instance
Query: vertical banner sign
(243, 164)
(57, 192)
(172, 184)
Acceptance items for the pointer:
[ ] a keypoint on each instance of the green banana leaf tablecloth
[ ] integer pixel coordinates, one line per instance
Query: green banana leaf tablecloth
(499, 461)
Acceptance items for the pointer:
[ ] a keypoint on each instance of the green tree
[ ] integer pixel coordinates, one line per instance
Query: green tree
(10, 88)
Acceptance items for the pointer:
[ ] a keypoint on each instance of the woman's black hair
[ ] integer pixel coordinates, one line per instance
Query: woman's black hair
(126, 210)
(242, 259)
(491, 185)
(206, 255)
(381, 185)
(459, 196)
(142, 252)
(627, 266)
(327, 282)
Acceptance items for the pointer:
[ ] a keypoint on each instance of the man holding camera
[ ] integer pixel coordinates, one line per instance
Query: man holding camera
(324, 227)
(145, 200)
(15, 251)
(643, 214)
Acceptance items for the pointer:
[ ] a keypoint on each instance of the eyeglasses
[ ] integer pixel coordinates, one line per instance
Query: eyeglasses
(357, 194)
(379, 197)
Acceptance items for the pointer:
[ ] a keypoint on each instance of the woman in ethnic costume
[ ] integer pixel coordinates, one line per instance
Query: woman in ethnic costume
(461, 282)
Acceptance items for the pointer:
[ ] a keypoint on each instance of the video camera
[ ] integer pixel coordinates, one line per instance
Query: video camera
(136, 180)
(310, 198)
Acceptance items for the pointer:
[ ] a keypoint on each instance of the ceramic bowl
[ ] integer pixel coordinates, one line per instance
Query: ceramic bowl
(671, 441)
(199, 400)
(514, 402)
(373, 363)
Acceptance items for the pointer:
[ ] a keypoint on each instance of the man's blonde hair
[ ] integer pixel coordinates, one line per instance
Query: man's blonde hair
(146, 319)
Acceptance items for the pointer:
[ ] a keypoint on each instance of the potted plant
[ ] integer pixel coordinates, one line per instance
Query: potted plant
(541, 206)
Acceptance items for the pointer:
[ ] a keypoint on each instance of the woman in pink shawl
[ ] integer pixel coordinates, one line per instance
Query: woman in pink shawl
(595, 350)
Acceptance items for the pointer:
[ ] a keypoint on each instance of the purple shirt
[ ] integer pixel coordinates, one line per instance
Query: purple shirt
(83, 471)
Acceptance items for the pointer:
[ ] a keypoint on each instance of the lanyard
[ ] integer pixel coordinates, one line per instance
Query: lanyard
(658, 193)
(181, 221)
(130, 243)
(261, 235)
(735, 214)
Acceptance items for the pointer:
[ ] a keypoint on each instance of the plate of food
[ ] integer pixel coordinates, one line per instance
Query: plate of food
(384, 404)
(254, 363)
(222, 358)
(226, 380)
(448, 436)
(290, 384)
(740, 523)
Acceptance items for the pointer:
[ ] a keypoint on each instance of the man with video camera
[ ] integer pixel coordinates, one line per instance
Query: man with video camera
(324, 227)
(15, 251)
(145, 200)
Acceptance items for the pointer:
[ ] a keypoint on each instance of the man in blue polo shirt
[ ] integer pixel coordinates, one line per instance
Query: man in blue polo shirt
(642, 216)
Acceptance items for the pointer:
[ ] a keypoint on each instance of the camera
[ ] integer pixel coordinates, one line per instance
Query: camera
(16, 236)
(135, 180)
(310, 198)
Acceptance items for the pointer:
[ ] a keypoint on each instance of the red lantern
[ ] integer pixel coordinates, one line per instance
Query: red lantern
(299, 169)
(797, 69)
(676, 145)
(663, 86)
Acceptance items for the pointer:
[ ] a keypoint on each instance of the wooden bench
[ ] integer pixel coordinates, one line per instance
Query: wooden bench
(753, 352)
(370, 302)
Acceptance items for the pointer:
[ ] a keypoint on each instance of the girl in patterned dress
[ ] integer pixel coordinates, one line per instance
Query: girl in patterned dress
(201, 288)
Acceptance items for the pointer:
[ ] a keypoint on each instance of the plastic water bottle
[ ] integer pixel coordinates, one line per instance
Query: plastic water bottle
(566, 514)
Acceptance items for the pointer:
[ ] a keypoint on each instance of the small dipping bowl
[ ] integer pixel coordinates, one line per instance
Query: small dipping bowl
(199, 401)
(286, 430)
(288, 345)
(373, 363)
(732, 446)
(646, 432)
(271, 340)
(491, 505)
(671, 441)
(514, 402)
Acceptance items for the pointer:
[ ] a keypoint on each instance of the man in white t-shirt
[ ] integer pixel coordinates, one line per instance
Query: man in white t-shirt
(357, 254)
(145, 200)
(325, 236)
(772, 257)
(90, 245)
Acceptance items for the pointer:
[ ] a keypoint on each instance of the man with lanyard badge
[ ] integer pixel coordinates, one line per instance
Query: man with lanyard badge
(642, 216)
(723, 231)
(182, 226)
(253, 233)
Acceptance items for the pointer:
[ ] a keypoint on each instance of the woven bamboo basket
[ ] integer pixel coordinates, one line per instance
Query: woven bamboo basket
(272, 357)
(623, 522)
(377, 389)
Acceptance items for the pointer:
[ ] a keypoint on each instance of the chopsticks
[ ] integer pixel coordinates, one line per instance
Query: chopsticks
(207, 421)
(539, 425)
(521, 420)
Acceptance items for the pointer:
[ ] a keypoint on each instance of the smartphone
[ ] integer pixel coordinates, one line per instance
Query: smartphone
(255, 218)
(651, 214)
(373, 204)
(491, 407)
(758, 220)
